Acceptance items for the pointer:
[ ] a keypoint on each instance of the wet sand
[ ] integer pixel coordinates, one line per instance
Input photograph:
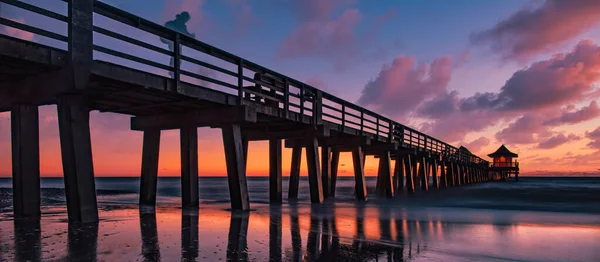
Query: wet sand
(333, 231)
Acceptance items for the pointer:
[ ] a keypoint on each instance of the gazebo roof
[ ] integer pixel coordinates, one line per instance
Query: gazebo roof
(503, 151)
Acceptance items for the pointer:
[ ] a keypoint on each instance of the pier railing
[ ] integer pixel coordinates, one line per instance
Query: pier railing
(186, 59)
(513, 164)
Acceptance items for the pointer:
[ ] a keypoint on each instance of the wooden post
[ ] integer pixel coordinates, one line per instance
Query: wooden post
(295, 173)
(314, 171)
(443, 174)
(25, 161)
(335, 161)
(360, 187)
(235, 157)
(452, 173)
(434, 174)
(275, 148)
(189, 168)
(385, 176)
(423, 173)
(326, 170)
(409, 173)
(149, 176)
(398, 174)
(78, 167)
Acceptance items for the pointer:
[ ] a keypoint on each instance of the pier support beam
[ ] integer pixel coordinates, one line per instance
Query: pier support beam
(335, 161)
(295, 172)
(384, 176)
(452, 173)
(314, 171)
(360, 186)
(25, 141)
(409, 173)
(326, 170)
(434, 174)
(235, 156)
(189, 168)
(76, 149)
(398, 178)
(423, 173)
(149, 176)
(275, 148)
(443, 174)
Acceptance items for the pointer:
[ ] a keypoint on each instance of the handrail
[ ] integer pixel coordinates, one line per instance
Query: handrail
(322, 106)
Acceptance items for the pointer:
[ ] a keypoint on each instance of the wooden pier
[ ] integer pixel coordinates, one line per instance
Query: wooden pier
(246, 101)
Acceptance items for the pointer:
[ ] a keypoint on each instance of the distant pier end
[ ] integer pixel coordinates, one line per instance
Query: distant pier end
(504, 165)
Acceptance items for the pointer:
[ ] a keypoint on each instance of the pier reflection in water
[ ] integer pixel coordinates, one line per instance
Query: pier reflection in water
(293, 233)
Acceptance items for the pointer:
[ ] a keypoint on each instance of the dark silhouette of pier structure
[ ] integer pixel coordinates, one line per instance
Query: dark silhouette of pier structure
(246, 101)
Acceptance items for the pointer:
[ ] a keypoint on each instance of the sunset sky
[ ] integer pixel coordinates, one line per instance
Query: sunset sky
(475, 73)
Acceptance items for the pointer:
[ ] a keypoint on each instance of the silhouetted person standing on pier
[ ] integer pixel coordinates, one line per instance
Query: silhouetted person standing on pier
(179, 25)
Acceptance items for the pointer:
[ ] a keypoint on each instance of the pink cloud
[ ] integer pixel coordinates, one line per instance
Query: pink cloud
(594, 136)
(329, 37)
(573, 117)
(531, 31)
(476, 145)
(557, 140)
(10, 31)
(402, 86)
(317, 82)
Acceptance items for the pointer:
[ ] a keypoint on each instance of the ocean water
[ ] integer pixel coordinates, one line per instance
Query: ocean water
(536, 219)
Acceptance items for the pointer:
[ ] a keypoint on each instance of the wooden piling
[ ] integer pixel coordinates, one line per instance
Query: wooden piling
(149, 173)
(275, 192)
(423, 173)
(398, 178)
(443, 174)
(434, 174)
(235, 157)
(295, 172)
(385, 176)
(326, 170)
(189, 168)
(360, 187)
(314, 171)
(409, 173)
(335, 161)
(78, 167)
(25, 142)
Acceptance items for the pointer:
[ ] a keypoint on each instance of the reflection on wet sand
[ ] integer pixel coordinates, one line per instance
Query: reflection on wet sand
(238, 237)
(150, 248)
(189, 236)
(28, 239)
(275, 233)
(82, 242)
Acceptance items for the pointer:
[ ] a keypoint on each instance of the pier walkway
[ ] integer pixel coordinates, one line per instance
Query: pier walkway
(163, 89)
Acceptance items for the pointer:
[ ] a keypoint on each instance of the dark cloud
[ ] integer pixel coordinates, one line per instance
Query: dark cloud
(557, 140)
(584, 114)
(594, 136)
(536, 30)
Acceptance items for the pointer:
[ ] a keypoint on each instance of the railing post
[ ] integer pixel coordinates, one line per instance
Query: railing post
(343, 115)
(286, 97)
(177, 59)
(377, 127)
(301, 101)
(317, 107)
(240, 81)
(390, 131)
(362, 124)
(81, 41)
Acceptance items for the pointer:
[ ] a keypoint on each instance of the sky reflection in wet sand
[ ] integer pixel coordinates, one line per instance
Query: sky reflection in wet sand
(295, 233)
